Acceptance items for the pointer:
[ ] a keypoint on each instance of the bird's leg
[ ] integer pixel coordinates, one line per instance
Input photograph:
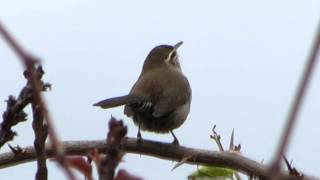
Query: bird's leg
(139, 133)
(175, 139)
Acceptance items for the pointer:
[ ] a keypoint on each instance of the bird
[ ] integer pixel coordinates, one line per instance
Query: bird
(160, 99)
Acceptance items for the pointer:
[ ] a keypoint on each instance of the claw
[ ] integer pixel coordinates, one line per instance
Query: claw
(175, 139)
(139, 137)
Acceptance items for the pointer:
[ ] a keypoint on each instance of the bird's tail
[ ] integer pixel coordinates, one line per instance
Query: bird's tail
(118, 101)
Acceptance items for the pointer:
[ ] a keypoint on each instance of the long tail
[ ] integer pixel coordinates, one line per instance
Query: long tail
(118, 101)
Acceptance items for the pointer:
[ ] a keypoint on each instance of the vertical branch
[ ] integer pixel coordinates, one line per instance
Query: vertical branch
(41, 132)
(296, 105)
(29, 62)
(107, 166)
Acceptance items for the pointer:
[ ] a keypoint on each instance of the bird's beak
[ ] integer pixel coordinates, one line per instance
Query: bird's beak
(176, 46)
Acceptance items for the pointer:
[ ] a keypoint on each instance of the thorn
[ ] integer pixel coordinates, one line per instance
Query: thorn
(213, 129)
(16, 150)
(237, 148)
(292, 170)
(47, 87)
(216, 137)
(287, 163)
(185, 159)
(231, 146)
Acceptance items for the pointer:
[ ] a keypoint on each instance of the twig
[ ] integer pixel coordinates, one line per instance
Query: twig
(29, 62)
(12, 116)
(41, 133)
(108, 164)
(156, 149)
(292, 170)
(296, 105)
(14, 113)
(232, 147)
(217, 138)
(17, 150)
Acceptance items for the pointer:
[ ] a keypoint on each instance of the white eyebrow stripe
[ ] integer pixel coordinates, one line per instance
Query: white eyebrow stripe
(169, 56)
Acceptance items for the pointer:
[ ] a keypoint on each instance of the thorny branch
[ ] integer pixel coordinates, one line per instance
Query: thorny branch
(296, 105)
(14, 113)
(156, 149)
(12, 116)
(29, 62)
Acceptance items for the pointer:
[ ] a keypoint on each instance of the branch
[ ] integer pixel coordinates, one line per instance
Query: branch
(107, 166)
(29, 62)
(297, 103)
(13, 115)
(41, 132)
(152, 148)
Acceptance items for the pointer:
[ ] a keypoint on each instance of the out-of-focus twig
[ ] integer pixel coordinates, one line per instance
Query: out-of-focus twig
(12, 116)
(29, 62)
(14, 113)
(107, 166)
(296, 105)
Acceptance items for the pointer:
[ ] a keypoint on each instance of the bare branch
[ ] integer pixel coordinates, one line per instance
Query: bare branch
(217, 138)
(13, 115)
(156, 149)
(107, 166)
(297, 103)
(29, 62)
(41, 133)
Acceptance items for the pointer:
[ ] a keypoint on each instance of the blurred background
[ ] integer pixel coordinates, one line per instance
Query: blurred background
(243, 60)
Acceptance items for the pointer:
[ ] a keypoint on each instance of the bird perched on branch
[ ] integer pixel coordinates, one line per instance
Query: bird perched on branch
(160, 99)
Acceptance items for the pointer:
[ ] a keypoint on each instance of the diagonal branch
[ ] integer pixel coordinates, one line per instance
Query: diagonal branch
(297, 103)
(156, 149)
(29, 62)
(13, 115)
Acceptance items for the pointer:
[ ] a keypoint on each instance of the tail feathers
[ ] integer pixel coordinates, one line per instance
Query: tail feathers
(118, 101)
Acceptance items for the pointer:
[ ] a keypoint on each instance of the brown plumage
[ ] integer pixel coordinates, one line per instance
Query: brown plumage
(160, 99)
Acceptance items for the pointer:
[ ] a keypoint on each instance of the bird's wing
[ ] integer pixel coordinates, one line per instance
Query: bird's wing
(172, 97)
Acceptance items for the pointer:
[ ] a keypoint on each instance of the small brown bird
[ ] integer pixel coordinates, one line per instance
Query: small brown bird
(160, 99)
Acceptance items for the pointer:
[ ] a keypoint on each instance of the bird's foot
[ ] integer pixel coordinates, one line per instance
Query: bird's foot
(175, 142)
(175, 139)
(139, 138)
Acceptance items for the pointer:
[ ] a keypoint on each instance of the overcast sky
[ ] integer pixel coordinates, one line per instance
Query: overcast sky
(242, 58)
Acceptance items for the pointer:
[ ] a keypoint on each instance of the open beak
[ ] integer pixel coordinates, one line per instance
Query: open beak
(176, 46)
